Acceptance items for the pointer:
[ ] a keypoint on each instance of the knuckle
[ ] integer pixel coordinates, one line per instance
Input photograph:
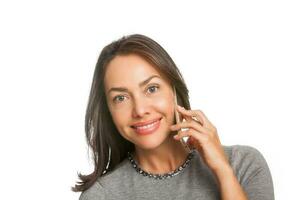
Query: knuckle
(194, 123)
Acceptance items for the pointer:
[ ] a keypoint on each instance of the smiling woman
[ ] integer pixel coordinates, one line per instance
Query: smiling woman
(130, 123)
(140, 101)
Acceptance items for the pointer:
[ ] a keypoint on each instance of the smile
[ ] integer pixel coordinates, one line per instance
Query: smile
(147, 129)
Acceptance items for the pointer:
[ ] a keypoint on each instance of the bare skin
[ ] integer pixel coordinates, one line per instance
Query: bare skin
(204, 137)
(160, 152)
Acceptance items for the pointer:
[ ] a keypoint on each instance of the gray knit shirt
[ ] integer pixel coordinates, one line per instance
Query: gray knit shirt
(196, 181)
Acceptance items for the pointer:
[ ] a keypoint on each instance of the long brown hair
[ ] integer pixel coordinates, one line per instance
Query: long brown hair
(108, 147)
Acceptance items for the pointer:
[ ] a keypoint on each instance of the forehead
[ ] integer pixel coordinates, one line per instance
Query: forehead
(128, 69)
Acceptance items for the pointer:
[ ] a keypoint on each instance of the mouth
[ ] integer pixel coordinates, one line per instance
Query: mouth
(146, 129)
(143, 124)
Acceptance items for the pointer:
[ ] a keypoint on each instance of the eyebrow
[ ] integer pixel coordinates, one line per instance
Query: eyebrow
(122, 89)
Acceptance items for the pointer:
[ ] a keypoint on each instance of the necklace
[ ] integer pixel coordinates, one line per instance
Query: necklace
(160, 176)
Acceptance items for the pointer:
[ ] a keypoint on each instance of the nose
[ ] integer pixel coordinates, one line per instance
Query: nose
(140, 108)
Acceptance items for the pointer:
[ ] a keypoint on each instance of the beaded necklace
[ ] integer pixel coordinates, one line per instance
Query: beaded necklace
(160, 176)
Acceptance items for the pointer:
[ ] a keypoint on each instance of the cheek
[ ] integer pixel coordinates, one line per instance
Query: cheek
(120, 123)
(119, 120)
(166, 106)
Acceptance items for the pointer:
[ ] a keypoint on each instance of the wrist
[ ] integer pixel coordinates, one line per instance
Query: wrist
(225, 172)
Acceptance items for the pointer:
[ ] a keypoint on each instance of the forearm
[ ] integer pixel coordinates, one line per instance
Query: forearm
(229, 186)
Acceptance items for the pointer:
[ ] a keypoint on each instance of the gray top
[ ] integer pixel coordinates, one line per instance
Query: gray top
(196, 181)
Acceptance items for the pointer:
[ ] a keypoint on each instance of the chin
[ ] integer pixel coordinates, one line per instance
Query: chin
(152, 142)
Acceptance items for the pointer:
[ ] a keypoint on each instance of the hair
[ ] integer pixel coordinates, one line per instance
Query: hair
(108, 147)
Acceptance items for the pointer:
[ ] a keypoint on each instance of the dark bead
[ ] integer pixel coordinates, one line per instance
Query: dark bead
(160, 176)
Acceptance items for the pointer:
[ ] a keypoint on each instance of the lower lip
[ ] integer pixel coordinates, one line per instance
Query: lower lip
(149, 130)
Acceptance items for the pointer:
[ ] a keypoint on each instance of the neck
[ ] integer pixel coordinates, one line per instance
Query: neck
(163, 159)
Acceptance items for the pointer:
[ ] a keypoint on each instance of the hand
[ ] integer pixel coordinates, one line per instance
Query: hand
(203, 137)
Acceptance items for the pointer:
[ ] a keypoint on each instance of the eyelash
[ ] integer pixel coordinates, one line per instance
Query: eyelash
(152, 86)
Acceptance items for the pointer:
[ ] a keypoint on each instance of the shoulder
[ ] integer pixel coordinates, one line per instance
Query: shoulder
(120, 172)
(111, 181)
(96, 191)
(244, 154)
(246, 161)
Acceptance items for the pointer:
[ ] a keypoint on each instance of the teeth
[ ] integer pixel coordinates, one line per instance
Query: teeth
(145, 127)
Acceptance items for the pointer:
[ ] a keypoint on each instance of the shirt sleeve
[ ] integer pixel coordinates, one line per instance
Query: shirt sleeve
(252, 172)
(95, 192)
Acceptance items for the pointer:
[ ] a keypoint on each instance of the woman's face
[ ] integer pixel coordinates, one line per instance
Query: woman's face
(138, 101)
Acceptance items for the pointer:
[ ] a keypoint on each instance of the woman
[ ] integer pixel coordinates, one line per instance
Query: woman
(131, 129)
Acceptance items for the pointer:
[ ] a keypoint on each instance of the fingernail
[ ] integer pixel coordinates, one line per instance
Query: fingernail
(175, 136)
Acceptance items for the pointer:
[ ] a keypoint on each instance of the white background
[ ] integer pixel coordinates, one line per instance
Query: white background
(240, 60)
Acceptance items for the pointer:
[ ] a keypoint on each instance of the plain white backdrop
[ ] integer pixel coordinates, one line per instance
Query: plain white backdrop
(240, 59)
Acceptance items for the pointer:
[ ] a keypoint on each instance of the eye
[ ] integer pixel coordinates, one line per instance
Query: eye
(118, 98)
(121, 98)
(152, 89)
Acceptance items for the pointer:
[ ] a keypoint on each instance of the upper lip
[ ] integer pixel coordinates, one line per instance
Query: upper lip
(146, 122)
